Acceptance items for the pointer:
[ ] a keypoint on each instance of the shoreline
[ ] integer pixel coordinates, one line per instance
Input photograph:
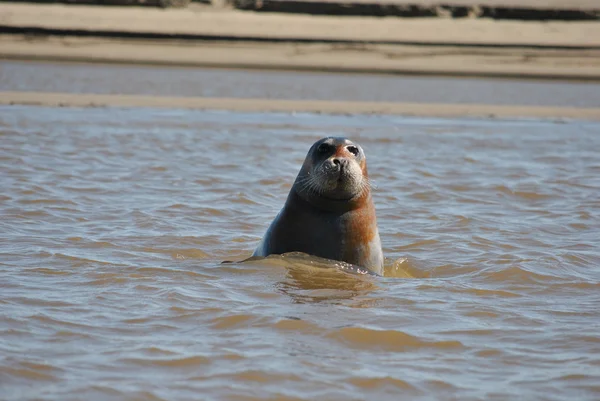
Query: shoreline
(307, 106)
(206, 37)
(203, 36)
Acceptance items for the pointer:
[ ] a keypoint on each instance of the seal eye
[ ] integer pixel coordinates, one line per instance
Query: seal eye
(324, 148)
(353, 149)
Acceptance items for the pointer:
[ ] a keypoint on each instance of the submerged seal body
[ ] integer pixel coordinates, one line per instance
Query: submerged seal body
(329, 211)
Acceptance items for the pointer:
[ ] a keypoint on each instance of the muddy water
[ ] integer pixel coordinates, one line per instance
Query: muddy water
(114, 223)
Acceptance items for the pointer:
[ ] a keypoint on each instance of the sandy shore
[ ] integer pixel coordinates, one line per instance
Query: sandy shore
(204, 36)
(208, 22)
(207, 37)
(311, 106)
(367, 58)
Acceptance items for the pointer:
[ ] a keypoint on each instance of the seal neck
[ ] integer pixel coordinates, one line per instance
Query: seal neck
(329, 204)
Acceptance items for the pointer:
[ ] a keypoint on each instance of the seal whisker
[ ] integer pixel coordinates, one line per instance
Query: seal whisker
(315, 187)
(310, 184)
(306, 184)
(370, 184)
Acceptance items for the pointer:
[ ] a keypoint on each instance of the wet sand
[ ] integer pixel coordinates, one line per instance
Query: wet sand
(294, 106)
(550, 63)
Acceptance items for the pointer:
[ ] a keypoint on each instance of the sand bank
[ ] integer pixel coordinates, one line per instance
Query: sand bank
(311, 106)
(350, 57)
(205, 36)
(208, 22)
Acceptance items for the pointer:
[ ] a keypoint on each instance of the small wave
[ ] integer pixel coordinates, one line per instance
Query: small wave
(298, 326)
(48, 320)
(187, 362)
(139, 320)
(427, 196)
(482, 292)
(403, 268)
(147, 288)
(303, 262)
(234, 321)
(419, 245)
(40, 302)
(516, 275)
(482, 314)
(71, 334)
(479, 332)
(183, 253)
(87, 190)
(386, 340)
(107, 277)
(489, 353)
(192, 315)
(576, 377)
(156, 351)
(99, 244)
(374, 383)
(242, 198)
(47, 202)
(28, 374)
(28, 214)
(570, 285)
(79, 261)
(259, 376)
(525, 195)
(141, 272)
(213, 212)
(31, 371)
(441, 385)
(50, 271)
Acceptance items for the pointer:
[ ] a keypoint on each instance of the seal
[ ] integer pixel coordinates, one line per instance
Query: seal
(329, 211)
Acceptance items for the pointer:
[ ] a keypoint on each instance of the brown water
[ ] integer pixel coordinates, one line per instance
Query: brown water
(113, 224)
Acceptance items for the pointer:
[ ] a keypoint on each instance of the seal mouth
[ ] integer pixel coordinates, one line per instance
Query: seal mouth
(343, 189)
(336, 180)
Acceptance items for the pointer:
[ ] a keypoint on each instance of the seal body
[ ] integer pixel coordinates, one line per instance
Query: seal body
(329, 211)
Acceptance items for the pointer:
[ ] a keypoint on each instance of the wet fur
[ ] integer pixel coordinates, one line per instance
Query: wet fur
(328, 215)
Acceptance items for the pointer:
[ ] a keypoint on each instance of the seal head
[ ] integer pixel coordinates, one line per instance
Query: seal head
(329, 211)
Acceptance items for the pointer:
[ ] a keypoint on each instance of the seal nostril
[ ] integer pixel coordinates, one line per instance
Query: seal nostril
(336, 162)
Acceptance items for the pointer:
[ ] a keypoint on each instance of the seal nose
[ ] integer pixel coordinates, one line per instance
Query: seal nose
(339, 163)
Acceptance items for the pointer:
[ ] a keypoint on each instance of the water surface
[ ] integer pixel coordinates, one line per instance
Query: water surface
(214, 82)
(113, 224)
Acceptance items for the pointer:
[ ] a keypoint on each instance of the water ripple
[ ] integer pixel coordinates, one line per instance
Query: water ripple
(115, 223)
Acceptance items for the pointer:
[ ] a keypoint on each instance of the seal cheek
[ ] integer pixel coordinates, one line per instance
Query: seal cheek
(363, 168)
